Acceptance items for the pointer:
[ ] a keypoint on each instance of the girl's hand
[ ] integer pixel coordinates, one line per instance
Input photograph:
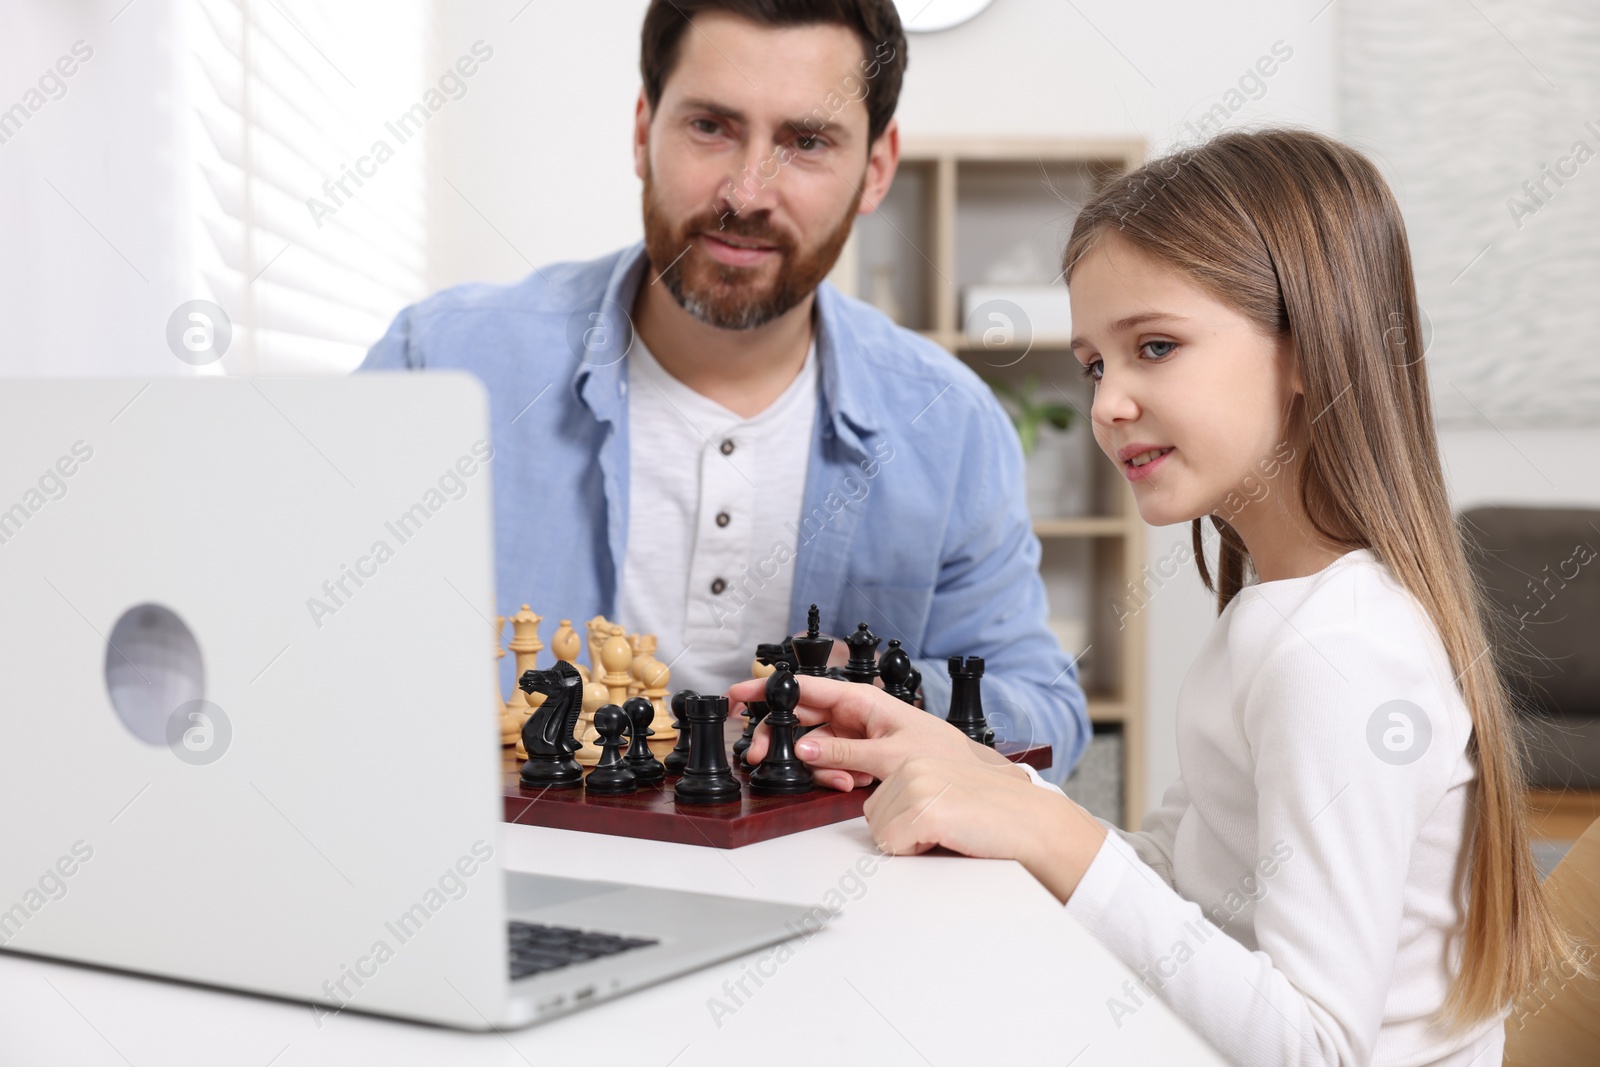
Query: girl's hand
(977, 809)
(865, 734)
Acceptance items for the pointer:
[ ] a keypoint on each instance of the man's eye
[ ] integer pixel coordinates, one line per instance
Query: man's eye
(807, 143)
(704, 125)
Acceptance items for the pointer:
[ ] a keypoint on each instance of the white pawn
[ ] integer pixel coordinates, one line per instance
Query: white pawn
(617, 659)
(657, 679)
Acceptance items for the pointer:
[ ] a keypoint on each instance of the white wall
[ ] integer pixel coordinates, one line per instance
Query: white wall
(534, 165)
(1544, 468)
(89, 193)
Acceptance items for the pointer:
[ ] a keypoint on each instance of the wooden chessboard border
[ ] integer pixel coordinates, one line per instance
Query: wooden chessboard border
(653, 814)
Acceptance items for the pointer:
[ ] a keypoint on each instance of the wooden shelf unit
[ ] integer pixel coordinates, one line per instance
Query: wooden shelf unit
(924, 211)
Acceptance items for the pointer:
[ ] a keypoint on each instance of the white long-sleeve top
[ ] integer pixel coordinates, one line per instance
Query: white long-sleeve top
(1299, 895)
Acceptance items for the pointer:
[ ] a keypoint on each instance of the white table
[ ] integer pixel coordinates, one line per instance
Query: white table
(937, 960)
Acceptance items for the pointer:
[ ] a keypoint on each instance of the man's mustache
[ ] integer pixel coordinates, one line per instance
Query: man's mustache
(753, 227)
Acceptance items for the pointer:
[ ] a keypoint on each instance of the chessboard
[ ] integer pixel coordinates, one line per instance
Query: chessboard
(652, 812)
(571, 717)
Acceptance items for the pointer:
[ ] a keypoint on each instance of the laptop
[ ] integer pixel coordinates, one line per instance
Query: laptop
(252, 705)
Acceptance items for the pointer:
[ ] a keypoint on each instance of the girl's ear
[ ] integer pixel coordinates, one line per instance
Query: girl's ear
(1288, 350)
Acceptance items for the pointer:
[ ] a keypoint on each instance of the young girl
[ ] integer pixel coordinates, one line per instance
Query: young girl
(1349, 816)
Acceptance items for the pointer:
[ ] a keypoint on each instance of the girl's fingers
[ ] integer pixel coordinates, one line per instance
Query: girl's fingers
(857, 709)
(840, 779)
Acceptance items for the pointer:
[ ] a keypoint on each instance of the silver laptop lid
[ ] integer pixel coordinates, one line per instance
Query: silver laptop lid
(250, 706)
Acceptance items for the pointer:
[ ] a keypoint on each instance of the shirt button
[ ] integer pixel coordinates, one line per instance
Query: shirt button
(717, 586)
(727, 448)
(723, 518)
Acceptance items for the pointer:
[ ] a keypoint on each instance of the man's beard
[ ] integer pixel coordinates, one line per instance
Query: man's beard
(729, 297)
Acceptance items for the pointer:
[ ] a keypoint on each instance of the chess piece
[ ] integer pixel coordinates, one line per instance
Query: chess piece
(678, 758)
(510, 713)
(966, 699)
(526, 644)
(644, 647)
(595, 697)
(755, 710)
(707, 778)
(547, 735)
(611, 776)
(633, 649)
(640, 760)
(811, 652)
(767, 653)
(915, 684)
(656, 680)
(863, 665)
(781, 773)
(895, 669)
(566, 645)
(598, 629)
(617, 658)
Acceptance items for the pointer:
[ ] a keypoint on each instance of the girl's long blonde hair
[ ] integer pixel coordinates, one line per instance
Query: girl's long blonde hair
(1301, 234)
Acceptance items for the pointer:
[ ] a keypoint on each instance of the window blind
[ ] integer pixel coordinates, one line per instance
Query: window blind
(309, 214)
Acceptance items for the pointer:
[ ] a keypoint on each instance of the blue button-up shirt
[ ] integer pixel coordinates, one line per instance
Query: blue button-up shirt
(914, 517)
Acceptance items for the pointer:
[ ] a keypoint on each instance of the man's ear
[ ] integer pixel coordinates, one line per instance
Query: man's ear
(883, 159)
(641, 135)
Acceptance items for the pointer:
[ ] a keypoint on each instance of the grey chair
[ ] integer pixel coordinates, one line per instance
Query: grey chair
(1540, 568)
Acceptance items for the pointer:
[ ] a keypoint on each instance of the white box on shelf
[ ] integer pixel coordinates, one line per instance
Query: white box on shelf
(1001, 315)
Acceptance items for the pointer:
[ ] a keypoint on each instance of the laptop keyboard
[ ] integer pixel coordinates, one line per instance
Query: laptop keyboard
(536, 948)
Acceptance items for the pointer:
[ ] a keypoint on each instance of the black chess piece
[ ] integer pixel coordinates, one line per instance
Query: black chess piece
(863, 665)
(707, 779)
(966, 699)
(915, 684)
(611, 775)
(896, 670)
(640, 760)
(811, 651)
(781, 773)
(678, 758)
(754, 710)
(547, 735)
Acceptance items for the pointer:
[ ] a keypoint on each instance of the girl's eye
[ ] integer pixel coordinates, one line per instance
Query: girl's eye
(1092, 369)
(1166, 348)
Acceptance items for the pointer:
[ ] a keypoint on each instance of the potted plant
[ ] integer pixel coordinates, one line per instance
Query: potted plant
(1056, 474)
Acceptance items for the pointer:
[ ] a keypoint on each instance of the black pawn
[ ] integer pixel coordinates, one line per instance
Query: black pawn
(863, 665)
(781, 773)
(611, 775)
(896, 670)
(966, 699)
(707, 779)
(640, 760)
(678, 758)
(811, 651)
